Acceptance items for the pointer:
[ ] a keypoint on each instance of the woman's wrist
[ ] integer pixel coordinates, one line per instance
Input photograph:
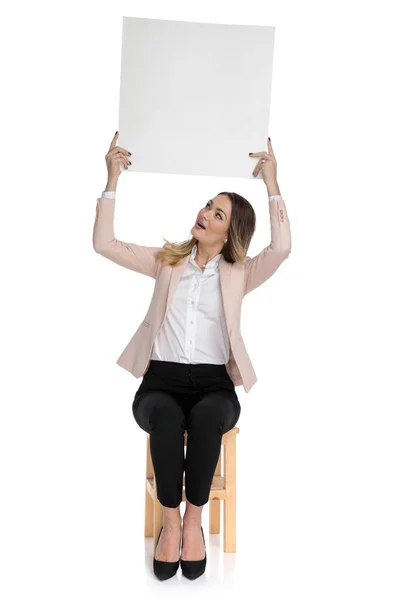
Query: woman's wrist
(111, 185)
(273, 189)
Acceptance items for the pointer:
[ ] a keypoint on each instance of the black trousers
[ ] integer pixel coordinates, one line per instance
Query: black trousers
(200, 398)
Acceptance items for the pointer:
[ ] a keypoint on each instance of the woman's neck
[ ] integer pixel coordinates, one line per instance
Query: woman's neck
(205, 254)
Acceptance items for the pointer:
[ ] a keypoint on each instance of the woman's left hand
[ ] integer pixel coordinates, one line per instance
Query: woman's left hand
(267, 165)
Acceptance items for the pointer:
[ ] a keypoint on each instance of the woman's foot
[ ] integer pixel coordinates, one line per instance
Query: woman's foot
(192, 542)
(168, 547)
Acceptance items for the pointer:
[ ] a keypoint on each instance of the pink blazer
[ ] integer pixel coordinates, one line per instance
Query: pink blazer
(236, 281)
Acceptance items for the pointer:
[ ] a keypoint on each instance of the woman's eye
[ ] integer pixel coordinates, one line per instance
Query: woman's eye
(218, 214)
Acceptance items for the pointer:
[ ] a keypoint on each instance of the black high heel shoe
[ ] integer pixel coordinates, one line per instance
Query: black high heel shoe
(192, 569)
(164, 569)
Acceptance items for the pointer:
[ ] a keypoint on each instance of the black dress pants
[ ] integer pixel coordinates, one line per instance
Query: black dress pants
(174, 397)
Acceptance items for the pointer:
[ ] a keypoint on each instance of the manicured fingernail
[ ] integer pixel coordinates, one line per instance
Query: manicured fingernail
(269, 139)
(250, 153)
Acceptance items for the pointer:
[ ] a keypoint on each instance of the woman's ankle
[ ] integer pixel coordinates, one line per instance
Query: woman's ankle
(192, 515)
(191, 521)
(171, 517)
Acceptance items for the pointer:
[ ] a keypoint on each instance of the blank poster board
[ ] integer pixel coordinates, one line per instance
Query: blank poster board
(194, 97)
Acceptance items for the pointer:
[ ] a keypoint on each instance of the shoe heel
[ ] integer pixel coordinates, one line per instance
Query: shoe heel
(192, 569)
(163, 569)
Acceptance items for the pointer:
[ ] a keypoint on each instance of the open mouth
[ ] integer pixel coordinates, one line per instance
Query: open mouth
(200, 225)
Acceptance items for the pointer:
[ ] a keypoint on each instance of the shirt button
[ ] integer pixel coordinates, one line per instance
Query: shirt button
(192, 301)
(191, 322)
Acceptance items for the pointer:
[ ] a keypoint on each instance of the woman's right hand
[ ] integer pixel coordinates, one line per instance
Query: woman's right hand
(114, 156)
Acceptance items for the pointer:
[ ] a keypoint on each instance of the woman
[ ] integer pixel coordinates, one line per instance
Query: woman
(189, 348)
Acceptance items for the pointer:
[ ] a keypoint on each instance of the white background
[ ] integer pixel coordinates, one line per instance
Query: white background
(318, 471)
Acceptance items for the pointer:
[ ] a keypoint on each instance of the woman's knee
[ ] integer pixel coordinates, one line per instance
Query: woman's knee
(216, 409)
(158, 409)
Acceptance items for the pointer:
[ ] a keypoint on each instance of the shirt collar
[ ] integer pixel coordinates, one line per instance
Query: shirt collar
(211, 265)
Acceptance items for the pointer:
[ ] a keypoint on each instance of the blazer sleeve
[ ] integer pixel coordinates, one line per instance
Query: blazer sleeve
(132, 256)
(261, 267)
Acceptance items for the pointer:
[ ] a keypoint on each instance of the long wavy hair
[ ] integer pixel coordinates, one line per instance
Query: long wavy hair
(240, 232)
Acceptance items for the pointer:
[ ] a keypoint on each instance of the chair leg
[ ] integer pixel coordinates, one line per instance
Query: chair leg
(230, 502)
(215, 506)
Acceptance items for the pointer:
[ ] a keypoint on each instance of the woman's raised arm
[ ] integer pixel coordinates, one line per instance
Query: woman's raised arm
(127, 254)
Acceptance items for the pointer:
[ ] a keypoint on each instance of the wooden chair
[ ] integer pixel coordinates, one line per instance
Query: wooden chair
(223, 487)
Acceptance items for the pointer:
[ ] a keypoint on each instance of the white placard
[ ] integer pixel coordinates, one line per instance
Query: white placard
(194, 97)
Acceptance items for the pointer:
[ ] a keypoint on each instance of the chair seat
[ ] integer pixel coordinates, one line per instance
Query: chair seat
(223, 488)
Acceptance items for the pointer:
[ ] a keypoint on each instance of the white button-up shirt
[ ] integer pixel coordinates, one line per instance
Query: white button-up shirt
(194, 329)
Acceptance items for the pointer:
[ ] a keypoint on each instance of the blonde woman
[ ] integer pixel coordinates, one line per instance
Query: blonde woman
(189, 348)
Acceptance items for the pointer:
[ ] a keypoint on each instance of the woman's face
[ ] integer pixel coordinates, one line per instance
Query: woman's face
(216, 218)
